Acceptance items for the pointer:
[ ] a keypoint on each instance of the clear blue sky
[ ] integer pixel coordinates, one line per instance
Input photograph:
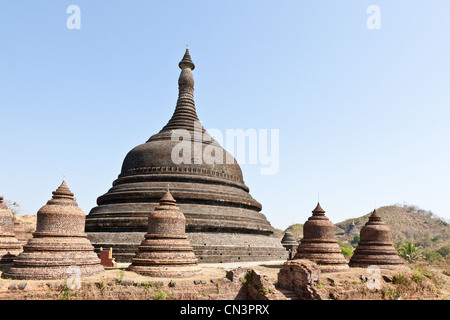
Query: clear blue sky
(364, 115)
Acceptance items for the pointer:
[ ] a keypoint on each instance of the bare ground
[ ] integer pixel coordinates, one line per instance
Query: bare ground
(411, 282)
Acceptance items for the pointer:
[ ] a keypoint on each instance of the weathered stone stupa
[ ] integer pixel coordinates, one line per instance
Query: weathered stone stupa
(223, 221)
(288, 241)
(375, 246)
(166, 251)
(10, 247)
(319, 243)
(59, 247)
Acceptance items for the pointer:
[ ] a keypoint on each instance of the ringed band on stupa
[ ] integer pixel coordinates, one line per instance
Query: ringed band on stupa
(223, 221)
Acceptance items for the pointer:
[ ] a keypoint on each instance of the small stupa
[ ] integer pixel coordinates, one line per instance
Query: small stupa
(10, 247)
(166, 251)
(59, 248)
(319, 243)
(289, 243)
(375, 246)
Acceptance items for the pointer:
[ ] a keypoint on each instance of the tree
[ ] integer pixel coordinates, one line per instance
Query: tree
(13, 206)
(356, 239)
(444, 251)
(410, 252)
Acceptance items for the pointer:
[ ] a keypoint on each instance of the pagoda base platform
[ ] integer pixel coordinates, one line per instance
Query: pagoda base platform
(208, 247)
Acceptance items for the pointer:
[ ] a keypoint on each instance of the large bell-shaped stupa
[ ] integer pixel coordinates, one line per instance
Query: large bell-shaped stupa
(223, 221)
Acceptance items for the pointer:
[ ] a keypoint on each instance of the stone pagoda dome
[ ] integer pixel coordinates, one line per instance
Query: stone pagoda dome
(59, 248)
(288, 239)
(10, 247)
(319, 243)
(166, 251)
(223, 221)
(375, 246)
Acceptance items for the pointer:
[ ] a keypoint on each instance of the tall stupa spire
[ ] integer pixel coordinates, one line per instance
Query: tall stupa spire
(185, 114)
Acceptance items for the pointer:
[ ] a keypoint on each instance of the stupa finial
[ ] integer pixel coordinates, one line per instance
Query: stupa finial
(63, 192)
(167, 198)
(185, 115)
(186, 62)
(318, 210)
(374, 216)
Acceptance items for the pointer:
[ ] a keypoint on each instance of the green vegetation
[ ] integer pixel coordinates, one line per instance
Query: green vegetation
(410, 252)
(399, 278)
(218, 287)
(147, 285)
(101, 284)
(391, 293)
(346, 250)
(417, 278)
(120, 277)
(247, 279)
(66, 293)
(160, 295)
(432, 256)
(355, 241)
(444, 251)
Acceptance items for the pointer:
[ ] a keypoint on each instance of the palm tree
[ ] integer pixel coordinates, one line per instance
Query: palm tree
(410, 252)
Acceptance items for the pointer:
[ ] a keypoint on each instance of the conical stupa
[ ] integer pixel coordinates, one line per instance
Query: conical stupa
(223, 221)
(288, 239)
(166, 251)
(319, 243)
(375, 246)
(59, 248)
(10, 247)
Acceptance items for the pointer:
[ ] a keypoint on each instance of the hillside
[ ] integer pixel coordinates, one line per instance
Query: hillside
(296, 230)
(407, 223)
